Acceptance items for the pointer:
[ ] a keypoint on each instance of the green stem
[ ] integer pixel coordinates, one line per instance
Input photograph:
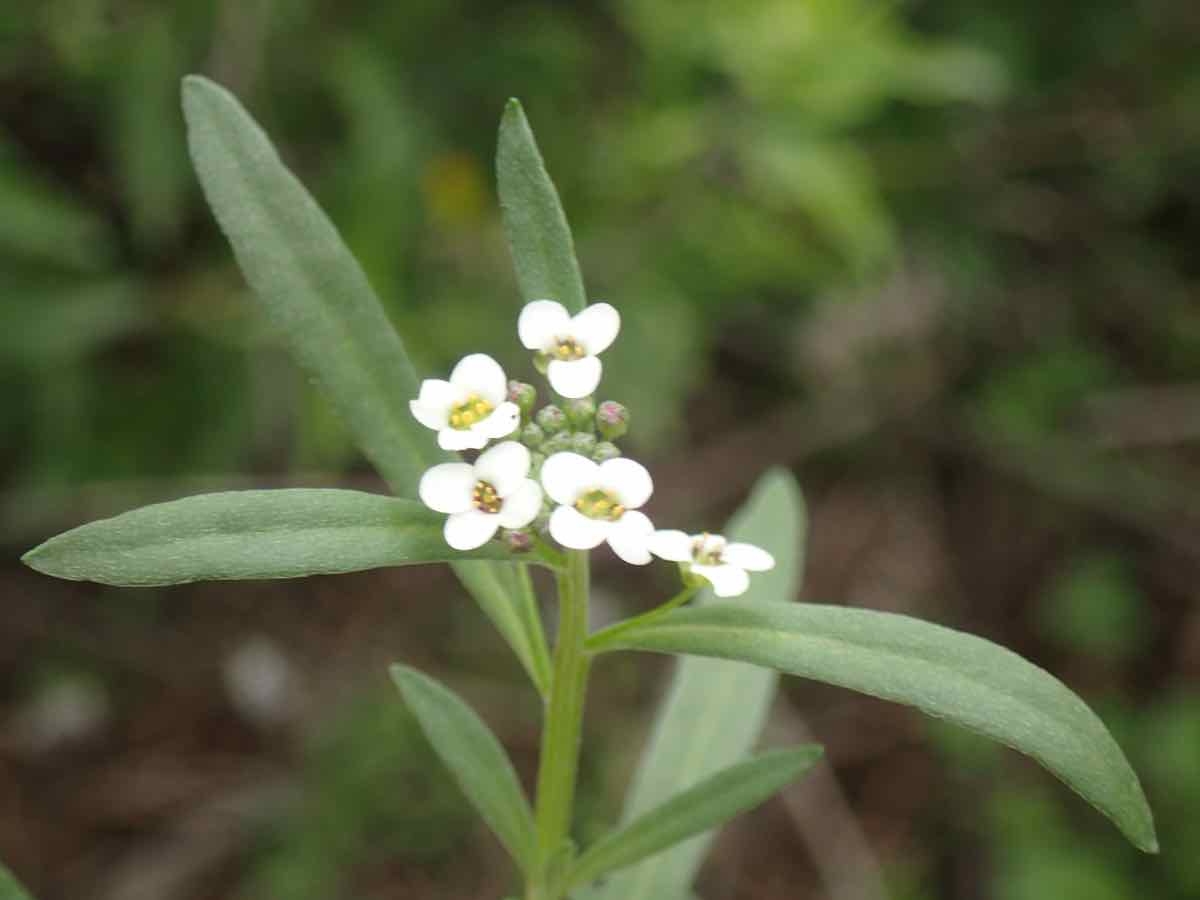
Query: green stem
(559, 765)
(605, 636)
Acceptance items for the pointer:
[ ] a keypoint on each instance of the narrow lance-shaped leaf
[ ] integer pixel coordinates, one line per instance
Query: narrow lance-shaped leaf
(474, 757)
(318, 297)
(307, 281)
(943, 672)
(251, 534)
(710, 803)
(715, 709)
(539, 237)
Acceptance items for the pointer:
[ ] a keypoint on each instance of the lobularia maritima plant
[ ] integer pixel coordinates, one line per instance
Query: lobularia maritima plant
(545, 488)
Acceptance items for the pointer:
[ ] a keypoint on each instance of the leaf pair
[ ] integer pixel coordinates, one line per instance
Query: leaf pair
(485, 774)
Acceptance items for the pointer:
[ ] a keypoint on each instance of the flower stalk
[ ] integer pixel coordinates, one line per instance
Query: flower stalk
(563, 727)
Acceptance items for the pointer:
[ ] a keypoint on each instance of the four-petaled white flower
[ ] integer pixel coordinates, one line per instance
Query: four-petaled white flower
(722, 564)
(495, 492)
(471, 408)
(599, 502)
(570, 343)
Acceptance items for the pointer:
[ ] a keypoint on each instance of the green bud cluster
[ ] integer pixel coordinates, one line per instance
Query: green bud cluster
(577, 426)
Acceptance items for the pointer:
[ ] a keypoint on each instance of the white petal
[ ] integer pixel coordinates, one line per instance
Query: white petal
(461, 439)
(482, 375)
(434, 417)
(596, 327)
(470, 529)
(435, 392)
(566, 475)
(502, 422)
(521, 507)
(628, 538)
(672, 545)
(749, 557)
(542, 321)
(574, 378)
(573, 529)
(628, 480)
(504, 467)
(726, 580)
(447, 488)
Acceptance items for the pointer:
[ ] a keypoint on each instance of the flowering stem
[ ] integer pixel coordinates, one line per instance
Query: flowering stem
(559, 765)
(605, 636)
(555, 559)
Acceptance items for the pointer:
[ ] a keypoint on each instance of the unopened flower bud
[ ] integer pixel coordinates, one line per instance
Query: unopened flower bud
(605, 450)
(583, 443)
(557, 443)
(518, 540)
(612, 420)
(524, 395)
(532, 436)
(551, 419)
(581, 414)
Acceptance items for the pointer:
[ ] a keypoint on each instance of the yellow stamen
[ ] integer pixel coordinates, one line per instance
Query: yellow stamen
(473, 409)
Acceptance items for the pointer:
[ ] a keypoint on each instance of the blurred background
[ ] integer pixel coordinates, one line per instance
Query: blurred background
(938, 257)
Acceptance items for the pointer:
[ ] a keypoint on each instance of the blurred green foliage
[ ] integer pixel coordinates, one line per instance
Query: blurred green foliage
(739, 175)
(372, 790)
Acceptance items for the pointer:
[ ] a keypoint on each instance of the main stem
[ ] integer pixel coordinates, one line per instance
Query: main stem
(559, 764)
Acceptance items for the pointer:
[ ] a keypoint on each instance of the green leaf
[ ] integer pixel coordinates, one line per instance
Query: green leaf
(712, 802)
(715, 710)
(318, 297)
(506, 597)
(251, 534)
(307, 281)
(943, 672)
(10, 888)
(539, 237)
(475, 758)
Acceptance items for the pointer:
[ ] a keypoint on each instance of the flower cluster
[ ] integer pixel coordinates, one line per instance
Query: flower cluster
(556, 472)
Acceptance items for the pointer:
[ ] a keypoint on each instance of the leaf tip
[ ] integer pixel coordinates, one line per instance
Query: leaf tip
(1146, 840)
(399, 674)
(36, 560)
(190, 87)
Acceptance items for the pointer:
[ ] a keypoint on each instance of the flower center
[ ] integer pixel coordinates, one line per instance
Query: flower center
(485, 498)
(707, 550)
(567, 349)
(600, 504)
(473, 409)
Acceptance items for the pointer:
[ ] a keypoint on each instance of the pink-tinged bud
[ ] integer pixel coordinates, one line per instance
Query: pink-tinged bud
(612, 420)
(524, 395)
(551, 419)
(518, 541)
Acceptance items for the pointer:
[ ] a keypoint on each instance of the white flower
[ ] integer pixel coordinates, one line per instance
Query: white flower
(599, 503)
(471, 408)
(570, 343)
(722, 564)
(495, 492)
